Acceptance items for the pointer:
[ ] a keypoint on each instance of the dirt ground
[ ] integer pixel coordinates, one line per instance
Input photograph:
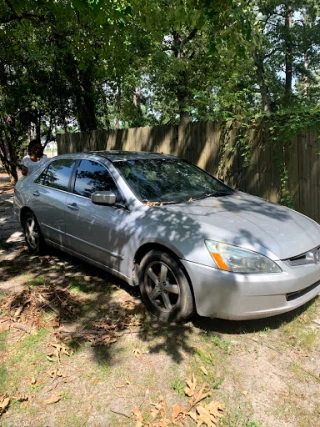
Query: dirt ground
(77, 348)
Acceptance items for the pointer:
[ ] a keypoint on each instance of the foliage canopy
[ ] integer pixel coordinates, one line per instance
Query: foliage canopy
(90, 64)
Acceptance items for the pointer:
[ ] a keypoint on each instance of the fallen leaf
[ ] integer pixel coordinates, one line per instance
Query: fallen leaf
(22, 398)
(178, 410)
(49, 357)
(137, 352)
(55, 373)
(160, 409)
(244, 392)
(4, 403)
(54, 324)
(199, 395)
(61, 349)
(204, 417)
(52, 399)
(19, 311)
(193, 415)
(216, 408)
(191, 386)
(138, 416)
(203, 369)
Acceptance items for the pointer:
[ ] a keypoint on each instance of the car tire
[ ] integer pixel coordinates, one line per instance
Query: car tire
(32, 234)
(164, 287)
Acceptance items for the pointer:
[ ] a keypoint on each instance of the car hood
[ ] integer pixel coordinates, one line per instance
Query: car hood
(250, 222)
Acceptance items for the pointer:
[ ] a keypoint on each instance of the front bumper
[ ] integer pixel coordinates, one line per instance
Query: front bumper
(234, 296)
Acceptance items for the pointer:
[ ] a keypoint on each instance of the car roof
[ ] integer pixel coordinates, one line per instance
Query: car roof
(117, 155)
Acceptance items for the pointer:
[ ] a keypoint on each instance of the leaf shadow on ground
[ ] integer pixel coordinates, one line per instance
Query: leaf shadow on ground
(90, 306)
(94, 308)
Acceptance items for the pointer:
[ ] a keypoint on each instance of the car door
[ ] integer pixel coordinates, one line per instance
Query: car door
(95, 231)
(49, 199)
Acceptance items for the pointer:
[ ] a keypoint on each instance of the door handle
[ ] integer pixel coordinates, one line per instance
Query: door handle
(73, 206)
(36, 193)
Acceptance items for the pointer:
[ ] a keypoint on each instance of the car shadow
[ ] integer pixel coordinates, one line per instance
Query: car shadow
(101, 317)
(237, 327)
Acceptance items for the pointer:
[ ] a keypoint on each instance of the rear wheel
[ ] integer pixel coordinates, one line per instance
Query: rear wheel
(32, 234)
(164, 287)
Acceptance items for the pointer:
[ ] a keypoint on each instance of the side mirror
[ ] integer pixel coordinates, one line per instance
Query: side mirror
(104, 198)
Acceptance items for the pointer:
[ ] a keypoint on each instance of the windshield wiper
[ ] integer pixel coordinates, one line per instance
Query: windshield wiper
(152, 204)
(213, 194)
(222, 193)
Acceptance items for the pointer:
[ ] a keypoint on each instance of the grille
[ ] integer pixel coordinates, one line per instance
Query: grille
(310, 257)
(294, 295)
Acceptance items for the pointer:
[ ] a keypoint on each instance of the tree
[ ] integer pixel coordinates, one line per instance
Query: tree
(90, 64)
(53, 70)
(287, 41)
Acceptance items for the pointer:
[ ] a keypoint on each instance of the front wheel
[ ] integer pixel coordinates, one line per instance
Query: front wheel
(164, 287)
(32, 234)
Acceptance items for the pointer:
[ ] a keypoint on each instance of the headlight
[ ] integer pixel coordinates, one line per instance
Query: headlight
(238, 260)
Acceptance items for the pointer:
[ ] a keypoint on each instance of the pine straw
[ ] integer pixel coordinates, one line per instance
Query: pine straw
(26, 310)
(35, 302)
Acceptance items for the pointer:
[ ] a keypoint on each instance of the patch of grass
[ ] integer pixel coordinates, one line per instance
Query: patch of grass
(252, 423)
(300, 336)
(3, 379)
(224, 345)
(37, 281)
(3, 370)
(79, 285)
(32, 341)
(178, 385)
(74, 344)
(90, 309)
(304, 414)
(239, 418)
(104, 372)
(302, 374)
(64, 395)
(24, 358)
(204, 356)
(102, 365)
(209, 364)
(3, 338)
(266, 331)
(23, 361)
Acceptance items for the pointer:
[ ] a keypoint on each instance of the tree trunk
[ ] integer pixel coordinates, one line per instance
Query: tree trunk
(264, 91)
(183, 99)
(288, 53)
(85, 102)
(182, 91)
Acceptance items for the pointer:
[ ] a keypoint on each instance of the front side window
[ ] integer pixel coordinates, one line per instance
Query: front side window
(57, 174)
(91, 177)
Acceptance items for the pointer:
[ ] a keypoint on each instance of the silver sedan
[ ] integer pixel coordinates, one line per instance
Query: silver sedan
(189, 241)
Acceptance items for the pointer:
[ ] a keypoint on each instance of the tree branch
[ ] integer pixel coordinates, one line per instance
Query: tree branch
(14, 16)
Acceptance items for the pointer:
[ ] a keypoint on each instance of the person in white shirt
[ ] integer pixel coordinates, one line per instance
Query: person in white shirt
(34, 158)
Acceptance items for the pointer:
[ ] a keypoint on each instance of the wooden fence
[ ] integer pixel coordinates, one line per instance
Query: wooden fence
(287, 173)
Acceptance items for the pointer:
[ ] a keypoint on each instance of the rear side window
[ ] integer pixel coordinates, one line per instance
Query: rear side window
(92, 176)
(57, 175)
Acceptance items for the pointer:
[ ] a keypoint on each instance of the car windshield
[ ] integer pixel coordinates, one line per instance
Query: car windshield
(168, 180)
